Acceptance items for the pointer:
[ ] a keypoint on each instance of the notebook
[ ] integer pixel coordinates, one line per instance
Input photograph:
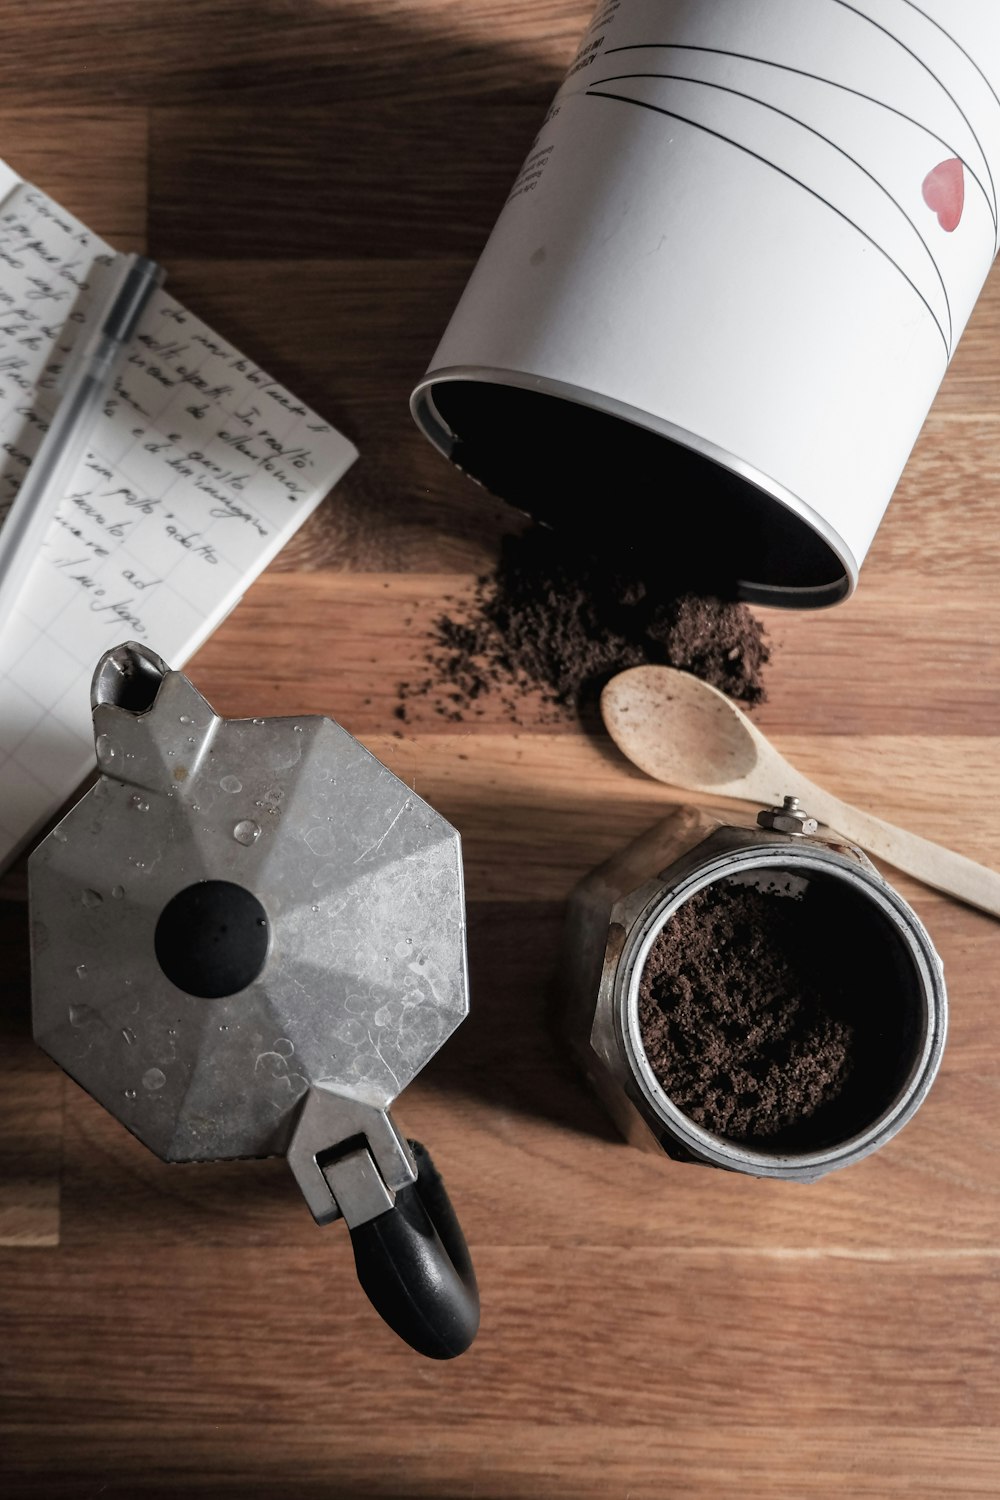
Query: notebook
(197, 472)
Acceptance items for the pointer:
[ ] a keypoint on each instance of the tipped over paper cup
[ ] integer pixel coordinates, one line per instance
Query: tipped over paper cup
(726, 285)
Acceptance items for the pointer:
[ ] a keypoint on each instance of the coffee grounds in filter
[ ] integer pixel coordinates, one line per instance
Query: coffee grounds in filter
(746, 1017)
(554, 619)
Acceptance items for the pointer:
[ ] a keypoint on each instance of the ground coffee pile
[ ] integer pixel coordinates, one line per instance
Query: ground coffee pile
(745, 1016)
(555, 619)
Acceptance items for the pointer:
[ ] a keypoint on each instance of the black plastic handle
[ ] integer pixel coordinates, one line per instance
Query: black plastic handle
(414, 1265)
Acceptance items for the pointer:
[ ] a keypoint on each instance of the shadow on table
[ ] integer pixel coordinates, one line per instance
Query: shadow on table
(510, 1053)
(319, 191)
(390, 1486)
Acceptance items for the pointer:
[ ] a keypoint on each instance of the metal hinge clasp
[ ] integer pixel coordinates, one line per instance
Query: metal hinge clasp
(348, 1158)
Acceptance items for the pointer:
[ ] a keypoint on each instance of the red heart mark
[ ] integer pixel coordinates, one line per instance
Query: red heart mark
(944, 192)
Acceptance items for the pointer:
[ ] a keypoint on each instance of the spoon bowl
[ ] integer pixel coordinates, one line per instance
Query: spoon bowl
(680, 730)
(686, 733)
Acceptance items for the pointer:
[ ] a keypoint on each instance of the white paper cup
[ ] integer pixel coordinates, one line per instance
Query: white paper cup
(726, 285)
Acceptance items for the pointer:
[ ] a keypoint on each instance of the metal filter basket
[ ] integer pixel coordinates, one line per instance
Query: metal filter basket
(617, 913)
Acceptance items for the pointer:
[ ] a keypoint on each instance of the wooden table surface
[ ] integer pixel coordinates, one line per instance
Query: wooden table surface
(318, 177)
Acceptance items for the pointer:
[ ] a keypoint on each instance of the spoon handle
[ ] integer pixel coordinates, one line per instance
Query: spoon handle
(940, 868)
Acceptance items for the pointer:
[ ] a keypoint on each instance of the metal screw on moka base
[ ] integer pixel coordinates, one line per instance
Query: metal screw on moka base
(788, 818)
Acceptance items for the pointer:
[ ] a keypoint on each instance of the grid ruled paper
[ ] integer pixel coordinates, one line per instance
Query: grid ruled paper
(198, 471)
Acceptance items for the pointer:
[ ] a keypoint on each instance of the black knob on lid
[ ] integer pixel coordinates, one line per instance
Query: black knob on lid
(211, 938)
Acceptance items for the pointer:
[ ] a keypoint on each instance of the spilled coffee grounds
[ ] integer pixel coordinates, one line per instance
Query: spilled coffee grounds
(746, 1018)
(554, 619)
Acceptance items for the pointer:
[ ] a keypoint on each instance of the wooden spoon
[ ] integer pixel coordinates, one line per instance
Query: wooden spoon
(680, 730)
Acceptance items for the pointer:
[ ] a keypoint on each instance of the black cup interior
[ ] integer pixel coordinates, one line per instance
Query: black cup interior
(566, 463)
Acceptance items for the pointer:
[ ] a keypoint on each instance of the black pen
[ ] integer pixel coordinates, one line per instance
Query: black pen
(89, 379)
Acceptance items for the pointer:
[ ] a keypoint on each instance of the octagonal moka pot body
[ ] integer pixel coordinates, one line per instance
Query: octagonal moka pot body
(247, 938)
(618, 911)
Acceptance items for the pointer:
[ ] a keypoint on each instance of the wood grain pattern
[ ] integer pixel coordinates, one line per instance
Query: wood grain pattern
(905, 646)
(110, 194)
(31, 1100)
(319, 177)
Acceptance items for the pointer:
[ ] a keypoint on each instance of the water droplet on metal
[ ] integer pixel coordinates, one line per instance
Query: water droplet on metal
(118, 891)
(321, 839)
(296, 728)
(246, 831)
(109, 752)
(185, 719)
(81, 971)
(129, 1035)
(139, 803)
(153, 1079)
(315, 908)
(130, 1093)
(91, 898)
(258, 721)
(231, 784)
(59, 836)
(223, 1028)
